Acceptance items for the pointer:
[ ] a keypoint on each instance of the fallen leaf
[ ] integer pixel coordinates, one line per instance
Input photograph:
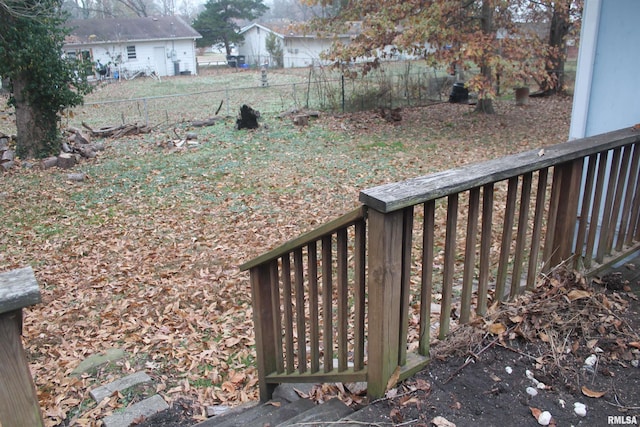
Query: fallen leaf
(591, 393)
(274, 403)
(393, 380)
(495, 378)
(497, 328)
(535, 412)
(442, 422)
(576, 294)
(635, 344)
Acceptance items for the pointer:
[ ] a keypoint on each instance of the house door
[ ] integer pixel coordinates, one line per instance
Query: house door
(160, 61)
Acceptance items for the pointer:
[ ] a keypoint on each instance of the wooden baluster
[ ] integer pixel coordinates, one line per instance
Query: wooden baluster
(314, 332)
(584, 211)
(627, 211)
(274, 283)
(405, 292)
(507, 231)
(485, 249)
(300, 311)
(521, 236)
(288, 313)
(427, 277)
(603, 245)
(343, 298)
(541, 195)
(327, 302)
(470, 254)
(359, 294)
(595, 210)
(449, 264)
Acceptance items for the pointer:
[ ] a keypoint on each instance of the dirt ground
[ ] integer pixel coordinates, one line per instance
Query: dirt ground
(572, 341)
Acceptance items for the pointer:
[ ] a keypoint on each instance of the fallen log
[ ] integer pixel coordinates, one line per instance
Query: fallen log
(117, 131)
(206, 122)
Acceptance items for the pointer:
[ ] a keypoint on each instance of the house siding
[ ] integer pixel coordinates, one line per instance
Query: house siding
(298, 51)
(158, 55)
(606, 89)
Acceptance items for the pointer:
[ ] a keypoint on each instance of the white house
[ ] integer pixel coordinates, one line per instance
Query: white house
(299, 50)
(165, 45)
(607, 88)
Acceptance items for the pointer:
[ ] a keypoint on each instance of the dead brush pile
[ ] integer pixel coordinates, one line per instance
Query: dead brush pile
(567, 316)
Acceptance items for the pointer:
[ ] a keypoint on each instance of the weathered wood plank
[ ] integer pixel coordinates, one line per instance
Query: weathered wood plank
(300, 311)
(277, 314)
(449, 265)
(485, 248)
(346, 376)
(18, 289)
(627, 211)
(541, 196)
(621, 183)
(507, 232)
(288, 313)
(18, 399)
(427, 277)
(343, 298)
(470, 255)
(359, 294)
(314, 332)
(603, 246)
(583, 220)
(395, 196)
(405, 283)
(521, 236)
(305, 239)
(595, 209)
(385, 273)
(262, 319)
(327, 302)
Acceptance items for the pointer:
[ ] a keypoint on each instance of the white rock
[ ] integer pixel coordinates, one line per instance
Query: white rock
(562, 403)
(529, 374)
(509, 370)
(544, 418)
(591, 360)
(580, 409)
(635, 363)
(532, 391)
(541, 386)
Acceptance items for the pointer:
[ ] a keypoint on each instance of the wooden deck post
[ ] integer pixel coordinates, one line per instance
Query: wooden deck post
(385, 292)
(18, 399)
(263, 320)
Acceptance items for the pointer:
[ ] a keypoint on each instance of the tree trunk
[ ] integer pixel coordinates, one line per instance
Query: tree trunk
(485, 104)
(558, 31)
(36, 131)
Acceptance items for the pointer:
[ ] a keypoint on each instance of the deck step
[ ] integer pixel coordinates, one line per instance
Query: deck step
(328, 412)
(273, 412)
(286, 408)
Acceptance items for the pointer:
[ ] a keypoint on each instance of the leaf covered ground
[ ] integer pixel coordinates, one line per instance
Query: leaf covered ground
(143, 255)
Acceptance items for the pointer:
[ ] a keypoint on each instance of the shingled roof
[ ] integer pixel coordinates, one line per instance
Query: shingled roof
(92, 31)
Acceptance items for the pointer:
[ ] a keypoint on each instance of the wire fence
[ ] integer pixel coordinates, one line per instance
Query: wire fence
(316, 91)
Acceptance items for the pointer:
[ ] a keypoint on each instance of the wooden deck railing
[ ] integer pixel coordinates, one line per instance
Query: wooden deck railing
(481, 232)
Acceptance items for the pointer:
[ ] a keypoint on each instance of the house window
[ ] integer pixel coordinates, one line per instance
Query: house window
(131, 52)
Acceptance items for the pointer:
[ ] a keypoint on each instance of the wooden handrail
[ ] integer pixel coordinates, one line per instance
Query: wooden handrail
(312, 236)
(394, 257)
(395, 196)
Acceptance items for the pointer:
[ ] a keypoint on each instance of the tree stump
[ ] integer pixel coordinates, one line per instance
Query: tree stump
(18, 399)
(301, 120)
(248, 118)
